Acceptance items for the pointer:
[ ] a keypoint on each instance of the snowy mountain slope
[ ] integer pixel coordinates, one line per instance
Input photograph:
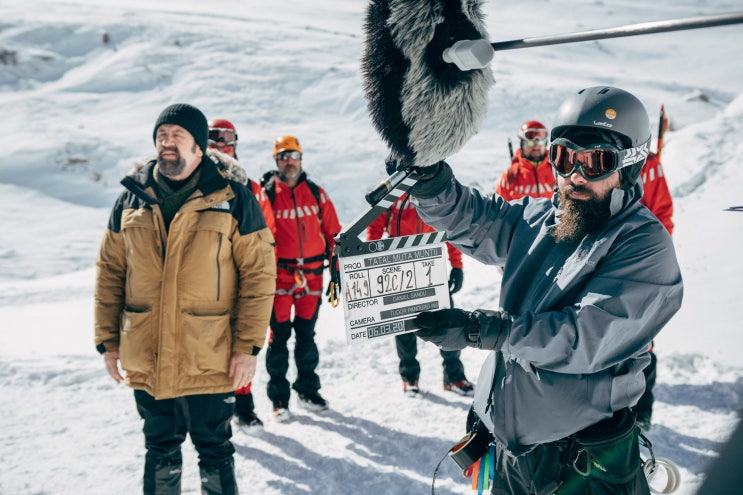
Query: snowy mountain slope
(83, 82)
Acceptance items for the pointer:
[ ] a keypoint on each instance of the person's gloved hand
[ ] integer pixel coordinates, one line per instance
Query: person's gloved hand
(454, 329)
(456, 277)
(432, 180)
(447, 328)
(392, 164)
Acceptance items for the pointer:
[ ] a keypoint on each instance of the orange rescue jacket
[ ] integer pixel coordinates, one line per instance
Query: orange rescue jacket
(523, 178)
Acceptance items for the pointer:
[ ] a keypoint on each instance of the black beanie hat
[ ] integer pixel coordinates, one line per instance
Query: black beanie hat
(188, 117)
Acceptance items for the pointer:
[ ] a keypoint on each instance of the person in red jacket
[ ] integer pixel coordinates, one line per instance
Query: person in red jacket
(222, 147)
(657, 198)
(530, 173)
(306, 224)
(656, 195)
(399, 220)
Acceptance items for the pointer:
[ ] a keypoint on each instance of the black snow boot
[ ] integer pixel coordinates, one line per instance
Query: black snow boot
(219, 479)
(245, 411)
(162, 475)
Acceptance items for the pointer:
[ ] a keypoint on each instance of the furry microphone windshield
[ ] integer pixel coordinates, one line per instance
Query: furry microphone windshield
(424, 108)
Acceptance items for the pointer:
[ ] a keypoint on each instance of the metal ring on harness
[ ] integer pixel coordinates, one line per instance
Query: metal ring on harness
(673, 475)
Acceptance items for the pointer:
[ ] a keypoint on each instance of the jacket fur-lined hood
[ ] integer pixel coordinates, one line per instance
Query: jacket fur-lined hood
(228, 167)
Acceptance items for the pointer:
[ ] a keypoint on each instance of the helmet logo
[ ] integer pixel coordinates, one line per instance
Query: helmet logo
(610, 113)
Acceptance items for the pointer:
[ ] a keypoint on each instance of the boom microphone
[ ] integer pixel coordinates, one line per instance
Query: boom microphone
(424, 108)
(469, 54)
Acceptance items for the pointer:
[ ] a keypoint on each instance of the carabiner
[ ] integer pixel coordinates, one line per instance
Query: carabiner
(578, 454)
(334, 300)
(300, 281)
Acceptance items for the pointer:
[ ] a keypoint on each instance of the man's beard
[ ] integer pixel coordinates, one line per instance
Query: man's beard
(581, 217)
(290, 173)
(536, 156)
(171, 168)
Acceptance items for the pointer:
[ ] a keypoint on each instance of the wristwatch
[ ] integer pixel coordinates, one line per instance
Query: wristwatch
(472, 331)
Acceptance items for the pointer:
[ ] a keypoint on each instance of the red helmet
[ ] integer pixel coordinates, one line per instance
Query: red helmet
(222, 125)
(222, 136)
(532, 129)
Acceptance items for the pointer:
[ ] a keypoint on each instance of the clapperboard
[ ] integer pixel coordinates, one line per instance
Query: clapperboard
(384, 284)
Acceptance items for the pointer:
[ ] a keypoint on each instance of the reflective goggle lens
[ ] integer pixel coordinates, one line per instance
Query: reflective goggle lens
(593, 163)
(286, 155)
(535, 142)
(533, 134)
(221, 144)
(224, 136)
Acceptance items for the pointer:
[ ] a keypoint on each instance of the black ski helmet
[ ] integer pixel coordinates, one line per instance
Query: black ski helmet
(604, 108)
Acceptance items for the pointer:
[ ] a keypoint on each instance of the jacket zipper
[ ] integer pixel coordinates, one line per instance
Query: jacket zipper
(299, 226)
(219, 268)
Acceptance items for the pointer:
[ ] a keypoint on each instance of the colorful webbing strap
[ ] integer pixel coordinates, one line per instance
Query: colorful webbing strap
(475, 473)
(492, 461)
(482, 471)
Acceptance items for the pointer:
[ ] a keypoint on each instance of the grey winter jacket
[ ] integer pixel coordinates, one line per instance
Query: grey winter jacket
(583, 316)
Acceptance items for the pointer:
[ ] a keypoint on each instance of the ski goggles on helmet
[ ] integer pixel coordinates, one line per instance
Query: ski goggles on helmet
(286, 155)
(595, 161)
(221, 137)
(534, 136)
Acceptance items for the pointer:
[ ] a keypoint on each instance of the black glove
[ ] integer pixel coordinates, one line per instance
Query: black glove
(392, 164)
(432, 180)
(456, 277)
(454, 329)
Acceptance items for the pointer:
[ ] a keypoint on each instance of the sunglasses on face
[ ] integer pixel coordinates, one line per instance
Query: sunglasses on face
(286, 155)
(594, 162)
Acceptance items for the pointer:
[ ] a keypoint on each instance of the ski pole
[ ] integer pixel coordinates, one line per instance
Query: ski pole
(476, 54)
(662, 125)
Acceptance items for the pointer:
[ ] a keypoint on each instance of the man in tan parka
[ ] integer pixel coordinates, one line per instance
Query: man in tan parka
(184, 291)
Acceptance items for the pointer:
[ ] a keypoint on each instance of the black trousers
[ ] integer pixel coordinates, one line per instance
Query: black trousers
(306, 358)
(206, 418)
(410, 369)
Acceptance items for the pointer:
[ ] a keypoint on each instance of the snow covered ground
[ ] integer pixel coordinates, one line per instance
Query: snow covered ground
(81, 83)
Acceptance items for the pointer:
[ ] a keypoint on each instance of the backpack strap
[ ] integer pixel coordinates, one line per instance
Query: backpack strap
(315, 189)
(268, 183)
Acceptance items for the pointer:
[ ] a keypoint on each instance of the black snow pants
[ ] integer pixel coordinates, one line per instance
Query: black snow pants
(410, 369)
(306, 358)
(206, 418)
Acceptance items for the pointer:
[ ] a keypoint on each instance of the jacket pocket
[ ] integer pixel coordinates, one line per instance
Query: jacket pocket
(207, 344)
(137, 347)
